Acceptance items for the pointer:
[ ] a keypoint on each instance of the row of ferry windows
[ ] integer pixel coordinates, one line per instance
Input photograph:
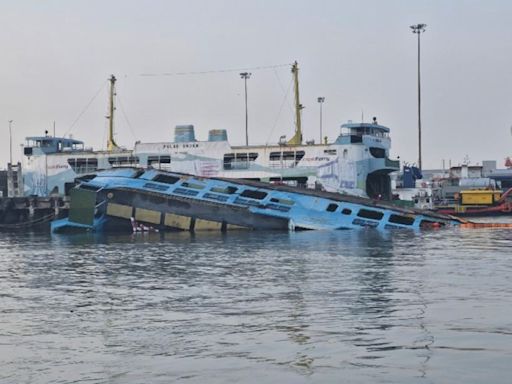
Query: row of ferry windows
(231, 160)
(229, 190)
(286, 159)
(374, 215)
(85, 165)
(260, 195)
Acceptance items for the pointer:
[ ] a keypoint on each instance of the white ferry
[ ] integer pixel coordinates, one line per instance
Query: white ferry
(356, 163)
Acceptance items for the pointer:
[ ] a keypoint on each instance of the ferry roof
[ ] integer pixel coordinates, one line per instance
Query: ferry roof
(63, 140)
(365, 125)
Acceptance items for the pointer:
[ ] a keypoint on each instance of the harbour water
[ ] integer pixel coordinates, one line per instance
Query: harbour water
(251, 307)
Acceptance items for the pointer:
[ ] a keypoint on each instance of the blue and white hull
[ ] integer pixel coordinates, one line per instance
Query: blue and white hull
(174, 201)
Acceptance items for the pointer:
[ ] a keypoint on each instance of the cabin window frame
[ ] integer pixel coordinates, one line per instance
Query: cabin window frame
(285, 159)
(253, 194)
(370, 214)
(239, 160)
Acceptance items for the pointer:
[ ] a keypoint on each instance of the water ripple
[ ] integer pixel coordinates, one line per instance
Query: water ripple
(256, 307)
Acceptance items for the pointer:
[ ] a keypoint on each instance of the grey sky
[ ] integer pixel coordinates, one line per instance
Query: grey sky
(359, 55)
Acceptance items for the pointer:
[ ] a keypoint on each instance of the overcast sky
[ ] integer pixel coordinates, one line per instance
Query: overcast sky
(359, 55)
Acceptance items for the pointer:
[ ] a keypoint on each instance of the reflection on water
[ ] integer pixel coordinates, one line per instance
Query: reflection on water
(256, 307)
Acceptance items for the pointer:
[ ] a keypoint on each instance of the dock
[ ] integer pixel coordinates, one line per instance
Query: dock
(29, 211)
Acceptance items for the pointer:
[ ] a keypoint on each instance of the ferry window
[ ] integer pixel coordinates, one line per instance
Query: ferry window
(165, 159)
(123, 160)
(288, 155)
(378, 153)
(192, 185)
(332, 207)
(239, 160)
(330, 151)
(167, 179)
(254, 194)
(226, 190)
(346, 211)
(398, 219)
(84, 165)
(370, 214)
(282, 201)
(285, 159)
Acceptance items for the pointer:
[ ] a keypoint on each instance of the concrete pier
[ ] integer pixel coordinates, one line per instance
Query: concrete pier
(29, 211)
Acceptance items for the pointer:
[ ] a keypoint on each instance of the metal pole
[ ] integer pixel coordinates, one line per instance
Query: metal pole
(245, 76)
(321, 123)
(418, 29)
(10, 141)
(419, 104)
(321, 101)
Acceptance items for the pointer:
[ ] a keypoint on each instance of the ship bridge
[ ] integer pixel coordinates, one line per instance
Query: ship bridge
(352, 133)
(38, 145)
(373, 140)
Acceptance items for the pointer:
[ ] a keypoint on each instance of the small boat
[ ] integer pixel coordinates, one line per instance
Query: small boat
(114, 199)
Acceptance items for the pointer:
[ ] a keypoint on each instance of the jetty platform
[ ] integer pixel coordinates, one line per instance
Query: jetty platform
(28, 211)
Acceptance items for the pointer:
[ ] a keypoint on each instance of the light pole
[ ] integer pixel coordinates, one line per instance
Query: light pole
(245, 76)
(418, 29)
(321, 101)
(10, 141)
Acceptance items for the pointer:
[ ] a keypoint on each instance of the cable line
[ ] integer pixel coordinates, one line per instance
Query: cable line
(86, 108)
(214, 71)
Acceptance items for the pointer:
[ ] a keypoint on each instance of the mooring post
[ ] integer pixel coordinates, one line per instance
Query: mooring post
(31, 209)
(56, 206)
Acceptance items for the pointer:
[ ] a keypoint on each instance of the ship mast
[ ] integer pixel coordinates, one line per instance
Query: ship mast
(297, 137)
(111, 144)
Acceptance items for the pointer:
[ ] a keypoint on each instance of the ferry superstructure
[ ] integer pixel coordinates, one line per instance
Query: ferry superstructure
(356, 163)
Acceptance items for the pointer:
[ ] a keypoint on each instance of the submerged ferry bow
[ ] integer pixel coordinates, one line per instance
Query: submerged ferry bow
(113, 199)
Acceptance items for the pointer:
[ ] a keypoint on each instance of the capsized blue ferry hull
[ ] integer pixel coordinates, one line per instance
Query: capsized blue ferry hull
(168, 200)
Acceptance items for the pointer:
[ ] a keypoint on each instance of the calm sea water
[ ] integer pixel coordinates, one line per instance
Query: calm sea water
(322, 307)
